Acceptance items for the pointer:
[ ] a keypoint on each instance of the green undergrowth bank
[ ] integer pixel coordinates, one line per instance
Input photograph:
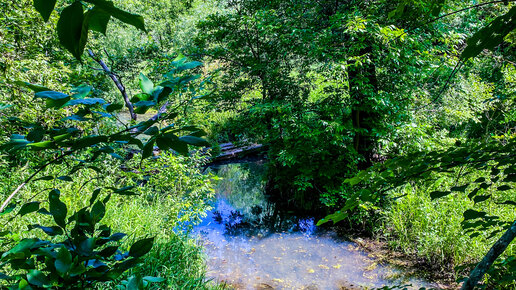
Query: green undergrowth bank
(432, 230)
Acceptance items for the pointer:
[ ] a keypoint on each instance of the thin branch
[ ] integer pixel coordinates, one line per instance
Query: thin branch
(457, 67)
(160, 112)
(117, 82)
(6, 202)
(455, 12)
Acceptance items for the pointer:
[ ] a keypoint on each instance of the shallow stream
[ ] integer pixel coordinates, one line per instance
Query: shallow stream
(251, 243)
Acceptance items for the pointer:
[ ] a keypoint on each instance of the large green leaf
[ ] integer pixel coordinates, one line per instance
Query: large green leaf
(51, 231)
(126, 17)
(97, 19)
(146, 85)
(98, 211)
(196, 141)
(490, 36)
(45, 8)
(34, 87)
(57, 208)
(28, 208)
(70, 29)
(88, 101)
(22, 246)
(148, 149)
(37, 278)
(113, 107)
(42, 145)
(53, 99)
(141, 247)
(63, 262)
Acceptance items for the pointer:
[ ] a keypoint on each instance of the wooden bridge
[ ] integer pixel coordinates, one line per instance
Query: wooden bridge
(230, 151)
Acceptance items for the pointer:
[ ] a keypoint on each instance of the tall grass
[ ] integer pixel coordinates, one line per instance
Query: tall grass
(432, 229)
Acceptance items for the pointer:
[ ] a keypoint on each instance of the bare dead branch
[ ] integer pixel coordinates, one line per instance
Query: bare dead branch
(117, 82)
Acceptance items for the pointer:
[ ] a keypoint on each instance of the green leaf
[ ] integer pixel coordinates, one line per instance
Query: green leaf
(53, 99)
(51, 231)
(28, 208)
(94, 196)
(163, 94)
(171, 141)
(24, 285)
(42, 145)
(48, 177)
(108, 251)
(34, 87)
(146, 85)
(8, 209)
(187, 66)
(151, 279)
(126, 17)
(65, 178)
(63, 262)
(439, 194)
(151, 131)
(473, 193)
(473, 214)
(98, 211)
(504, 188)
(148, 149)
(36, 134)
(37, 278)
(88, 101)
(97, 19)
(480, 180)
(113, 107)
(22, 246)
(45, 8)
(117, 237)
(70, 29)
(57, 208)
(490, 36)
(196, 141)
(481, 198)
(141, 247)
(4, 277)
(77, 268)
(460, 188)
(86, 247)
(89, 141)
(134, 283)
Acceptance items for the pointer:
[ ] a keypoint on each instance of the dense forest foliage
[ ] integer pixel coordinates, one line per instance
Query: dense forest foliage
(393, 120)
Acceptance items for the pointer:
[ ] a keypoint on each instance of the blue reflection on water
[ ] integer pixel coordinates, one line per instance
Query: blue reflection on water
(252, 243)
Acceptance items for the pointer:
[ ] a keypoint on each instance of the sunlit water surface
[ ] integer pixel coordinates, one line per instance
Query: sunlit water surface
(251, 244)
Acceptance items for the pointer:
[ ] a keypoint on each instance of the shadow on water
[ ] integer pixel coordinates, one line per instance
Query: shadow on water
(252, 243)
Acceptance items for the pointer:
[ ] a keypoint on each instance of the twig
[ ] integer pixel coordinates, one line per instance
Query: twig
(117, 82)
(6, 202)
(452, 13)
(160, 112)
(457, 67)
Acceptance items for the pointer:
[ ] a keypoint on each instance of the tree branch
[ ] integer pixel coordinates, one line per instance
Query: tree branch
(6, 202)
(496, 250)
(117, 82)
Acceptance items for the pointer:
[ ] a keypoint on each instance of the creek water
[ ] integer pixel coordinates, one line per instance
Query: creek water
(251, 243)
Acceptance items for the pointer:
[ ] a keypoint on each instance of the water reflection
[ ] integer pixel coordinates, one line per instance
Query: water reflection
(252, 243)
